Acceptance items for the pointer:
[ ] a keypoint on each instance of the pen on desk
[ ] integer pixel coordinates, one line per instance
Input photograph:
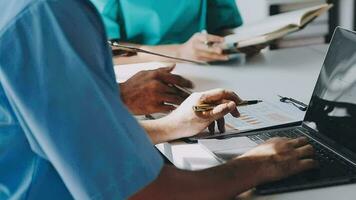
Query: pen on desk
(207, 107)
(300, 105)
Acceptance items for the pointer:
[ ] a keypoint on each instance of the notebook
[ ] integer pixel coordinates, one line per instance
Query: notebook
(274, 27)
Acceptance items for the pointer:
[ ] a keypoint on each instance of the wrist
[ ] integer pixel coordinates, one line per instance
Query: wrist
(159, 130)
(168, 127)
(179, 50)
(248, 169)
(237, 176)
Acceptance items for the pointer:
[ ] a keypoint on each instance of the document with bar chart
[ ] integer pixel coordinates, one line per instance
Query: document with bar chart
(258, 116)
(263, 115)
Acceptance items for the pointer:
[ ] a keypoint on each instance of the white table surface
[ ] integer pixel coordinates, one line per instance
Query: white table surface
(290, 72)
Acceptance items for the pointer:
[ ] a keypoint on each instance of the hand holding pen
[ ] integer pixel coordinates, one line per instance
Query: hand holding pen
(191, 122)
(204, 47)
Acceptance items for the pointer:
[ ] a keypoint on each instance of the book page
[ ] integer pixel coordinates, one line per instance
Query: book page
(270, 24)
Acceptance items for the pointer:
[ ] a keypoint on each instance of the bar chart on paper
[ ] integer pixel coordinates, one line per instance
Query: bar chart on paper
(262, 115)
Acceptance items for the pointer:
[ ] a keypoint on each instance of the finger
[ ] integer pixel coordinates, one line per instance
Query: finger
(169, 78)
(211, 127)
(161, 88)
(277, 139)
(182, 93)
(208, 57)
(165, 108)
(221, 125)
(167, 69)
(215, 49)
(235, 113)
(173, 99)
(221, 110)
(174, 91)
(306, 151)
(210, 38)
(306, 164)
(218, 95)
(299, 142)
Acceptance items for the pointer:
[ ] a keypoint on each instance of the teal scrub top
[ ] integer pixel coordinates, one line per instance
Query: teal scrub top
(155, 22)
(64, 132)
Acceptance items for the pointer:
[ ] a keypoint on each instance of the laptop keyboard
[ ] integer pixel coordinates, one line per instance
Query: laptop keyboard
(332, 167)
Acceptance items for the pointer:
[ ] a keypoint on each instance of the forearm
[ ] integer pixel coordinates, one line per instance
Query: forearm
(159, 130)
(171, 50)
(221, 182)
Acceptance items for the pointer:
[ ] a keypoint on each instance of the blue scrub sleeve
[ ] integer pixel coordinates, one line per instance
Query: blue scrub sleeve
(57, 73)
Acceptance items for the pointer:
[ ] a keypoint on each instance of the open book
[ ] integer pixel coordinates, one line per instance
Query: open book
(274, 27)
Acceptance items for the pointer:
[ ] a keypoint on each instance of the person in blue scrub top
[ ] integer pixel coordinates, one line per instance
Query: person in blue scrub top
(65, 133)
(175, 27)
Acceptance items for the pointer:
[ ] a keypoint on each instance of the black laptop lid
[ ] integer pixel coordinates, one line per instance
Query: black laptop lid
(332, 109)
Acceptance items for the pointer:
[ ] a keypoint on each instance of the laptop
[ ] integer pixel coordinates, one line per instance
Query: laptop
(329, 124)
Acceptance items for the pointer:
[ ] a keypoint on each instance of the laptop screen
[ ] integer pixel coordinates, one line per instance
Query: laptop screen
(332, 109)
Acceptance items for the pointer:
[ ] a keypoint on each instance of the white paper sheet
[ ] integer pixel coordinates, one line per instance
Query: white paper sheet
(265, 114)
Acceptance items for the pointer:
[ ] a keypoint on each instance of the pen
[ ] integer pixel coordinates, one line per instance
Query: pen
(130, 50)
(300, 105)
(182, 89)
(207, 107)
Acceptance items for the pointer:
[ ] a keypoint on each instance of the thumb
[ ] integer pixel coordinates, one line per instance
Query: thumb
(168, 69)
(222, 109)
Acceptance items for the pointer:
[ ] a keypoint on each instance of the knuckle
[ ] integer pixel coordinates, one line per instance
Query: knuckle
(224, 91)
(154, 84)
(276, 158)
(203, 96)
(142, 72)
(154, 74)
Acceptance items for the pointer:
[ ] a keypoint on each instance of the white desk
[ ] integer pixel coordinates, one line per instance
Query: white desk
(291, 72)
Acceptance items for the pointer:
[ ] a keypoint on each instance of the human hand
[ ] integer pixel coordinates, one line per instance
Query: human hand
(185, 122)
(148, 91)
(197, 48)
(281, 157)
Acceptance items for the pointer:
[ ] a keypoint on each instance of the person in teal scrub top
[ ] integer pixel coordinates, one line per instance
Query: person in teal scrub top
(175, 27)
